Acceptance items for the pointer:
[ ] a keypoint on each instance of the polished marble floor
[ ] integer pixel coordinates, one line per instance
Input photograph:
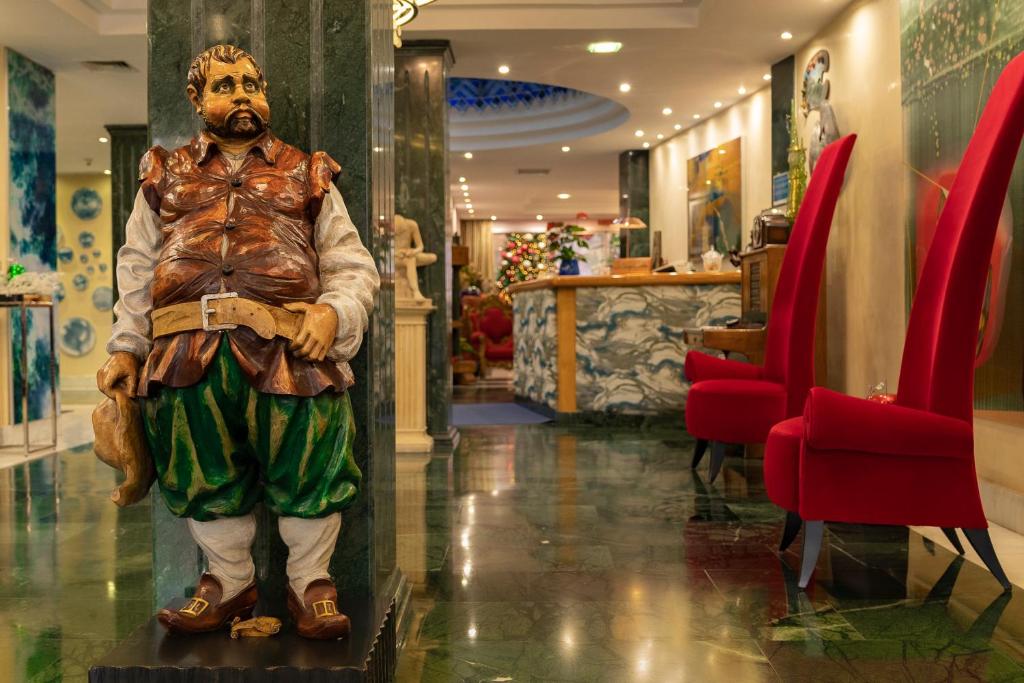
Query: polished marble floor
(549, 553)
(545, 553)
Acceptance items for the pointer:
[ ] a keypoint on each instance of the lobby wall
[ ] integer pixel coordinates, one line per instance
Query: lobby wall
(748, 119)
(84, 261)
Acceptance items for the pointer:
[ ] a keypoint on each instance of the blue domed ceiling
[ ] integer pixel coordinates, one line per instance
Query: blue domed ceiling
(481, 94)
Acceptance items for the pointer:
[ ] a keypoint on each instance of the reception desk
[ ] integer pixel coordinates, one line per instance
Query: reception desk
(613, 344)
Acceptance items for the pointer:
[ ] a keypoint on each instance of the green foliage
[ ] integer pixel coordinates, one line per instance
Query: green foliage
(563, 243)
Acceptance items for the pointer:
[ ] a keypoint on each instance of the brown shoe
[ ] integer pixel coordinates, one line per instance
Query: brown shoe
(317, 616)
(205, 612)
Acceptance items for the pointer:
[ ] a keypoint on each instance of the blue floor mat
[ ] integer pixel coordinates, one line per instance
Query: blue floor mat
(466, 414)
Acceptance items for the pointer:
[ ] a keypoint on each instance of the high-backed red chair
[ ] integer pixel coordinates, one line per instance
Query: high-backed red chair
(490, 334)
(733, 402)
(912, 462)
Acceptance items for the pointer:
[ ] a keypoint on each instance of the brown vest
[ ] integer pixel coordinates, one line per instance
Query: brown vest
(266, 211)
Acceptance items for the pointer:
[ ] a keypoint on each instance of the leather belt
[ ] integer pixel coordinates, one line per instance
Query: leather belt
(226, 311)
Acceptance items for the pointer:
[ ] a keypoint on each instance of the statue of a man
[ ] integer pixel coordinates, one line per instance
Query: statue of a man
(244, 292)
(409, 256)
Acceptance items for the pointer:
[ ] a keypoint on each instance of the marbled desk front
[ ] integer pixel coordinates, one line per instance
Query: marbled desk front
(627, 350)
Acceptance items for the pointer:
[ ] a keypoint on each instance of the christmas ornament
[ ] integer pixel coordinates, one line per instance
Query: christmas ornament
(14, 271)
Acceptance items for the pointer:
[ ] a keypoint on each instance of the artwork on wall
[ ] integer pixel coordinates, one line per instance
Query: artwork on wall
(32, 215)
(103, 298)
(817, 108)
(77, 336)
(715, 199)
(87, 204)
(951, 53)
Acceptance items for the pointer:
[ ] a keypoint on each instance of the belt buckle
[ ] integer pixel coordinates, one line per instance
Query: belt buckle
(205, 311)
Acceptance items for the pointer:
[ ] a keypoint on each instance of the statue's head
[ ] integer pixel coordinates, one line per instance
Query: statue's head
(227, 89)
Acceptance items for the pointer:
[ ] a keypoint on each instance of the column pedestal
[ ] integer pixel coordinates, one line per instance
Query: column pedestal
(411, 376)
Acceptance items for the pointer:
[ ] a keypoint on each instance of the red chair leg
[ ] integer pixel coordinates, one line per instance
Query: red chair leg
(717, 458)
(813, 534)
(982, 544)
(793, 524)
(953, 538)
(698, 452)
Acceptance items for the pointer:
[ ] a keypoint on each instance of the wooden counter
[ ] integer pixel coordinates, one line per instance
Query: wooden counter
(613, 344)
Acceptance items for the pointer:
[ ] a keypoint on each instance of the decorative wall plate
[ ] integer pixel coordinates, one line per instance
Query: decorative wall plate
(77, 337)
(86, 203)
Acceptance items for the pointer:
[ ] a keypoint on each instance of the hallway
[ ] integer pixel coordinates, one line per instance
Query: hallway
(542, 553)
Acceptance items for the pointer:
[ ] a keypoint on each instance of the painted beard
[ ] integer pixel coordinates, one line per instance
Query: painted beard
(242, 123)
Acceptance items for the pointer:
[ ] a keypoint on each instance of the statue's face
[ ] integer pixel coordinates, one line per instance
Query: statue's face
(233, 104)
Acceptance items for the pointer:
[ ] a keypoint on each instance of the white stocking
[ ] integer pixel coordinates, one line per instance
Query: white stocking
(227, 543)
(310, 546)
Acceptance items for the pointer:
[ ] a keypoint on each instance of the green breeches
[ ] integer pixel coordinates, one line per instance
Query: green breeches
(220, 447)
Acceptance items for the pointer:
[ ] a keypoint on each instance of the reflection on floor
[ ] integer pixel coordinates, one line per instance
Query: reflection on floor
(543, 552)
(583, 554)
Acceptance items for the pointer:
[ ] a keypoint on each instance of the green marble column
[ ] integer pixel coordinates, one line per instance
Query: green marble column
(422, 194)
(127, 145)
(329, 68)
(635, 200)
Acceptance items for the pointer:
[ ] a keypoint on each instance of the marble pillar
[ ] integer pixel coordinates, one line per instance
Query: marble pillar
(422, 194)
(127, 145)
(412, 319)
(635, 200)
(329, 64)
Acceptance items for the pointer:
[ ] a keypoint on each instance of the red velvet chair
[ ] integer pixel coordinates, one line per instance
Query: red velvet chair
(912, 462)
(734, 402)
(490, 334)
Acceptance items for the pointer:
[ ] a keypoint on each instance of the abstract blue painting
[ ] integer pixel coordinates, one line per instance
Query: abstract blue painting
(32, 214)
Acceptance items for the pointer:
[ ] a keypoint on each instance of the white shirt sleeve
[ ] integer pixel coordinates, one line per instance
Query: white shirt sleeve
(348, 275)
(132, 330)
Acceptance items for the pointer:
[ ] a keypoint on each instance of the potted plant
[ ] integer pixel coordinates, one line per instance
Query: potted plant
(563, 243)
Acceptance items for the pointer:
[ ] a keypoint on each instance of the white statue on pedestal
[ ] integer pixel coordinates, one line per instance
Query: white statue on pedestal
(409, 256)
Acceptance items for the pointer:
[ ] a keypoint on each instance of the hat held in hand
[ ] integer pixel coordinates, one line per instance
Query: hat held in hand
(121, 443)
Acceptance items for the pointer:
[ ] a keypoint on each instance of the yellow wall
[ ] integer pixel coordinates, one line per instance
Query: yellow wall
(750, 120)
(78, 374)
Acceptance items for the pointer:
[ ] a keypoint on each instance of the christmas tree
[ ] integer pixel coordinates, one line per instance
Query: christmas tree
(523, 258)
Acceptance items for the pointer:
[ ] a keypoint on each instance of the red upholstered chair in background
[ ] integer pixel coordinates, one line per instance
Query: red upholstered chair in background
(733, 402)
(490, 333)
(912, 462)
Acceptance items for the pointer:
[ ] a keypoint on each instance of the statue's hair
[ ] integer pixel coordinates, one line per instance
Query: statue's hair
(228, 54)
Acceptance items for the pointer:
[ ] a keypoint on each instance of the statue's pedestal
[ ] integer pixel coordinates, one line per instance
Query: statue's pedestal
(411, 376)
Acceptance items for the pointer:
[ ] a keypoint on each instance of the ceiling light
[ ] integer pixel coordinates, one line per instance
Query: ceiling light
(566, 148)
(472, 211)
(696, 116)
(661, 136)
(540, 217)
(465, 194)
(721, 151)
(639, 133)
(647, 145)
(766, 77)
(625, 87)
(786, 35)
(667, 111)
(462, 179)
(494, 218)
(678, 126)
(607, 47)
(741, 90)
(468, 155)
(718, 105)
(504, 69)
(106, 171)
(464, 188)
(564, 195)
(104, 139)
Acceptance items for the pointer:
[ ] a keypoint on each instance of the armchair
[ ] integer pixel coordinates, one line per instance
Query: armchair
(912, 462)
(490, 330)
(734, 402)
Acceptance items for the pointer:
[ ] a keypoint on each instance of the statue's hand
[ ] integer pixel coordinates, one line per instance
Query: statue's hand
(319, 327)
(119, 373)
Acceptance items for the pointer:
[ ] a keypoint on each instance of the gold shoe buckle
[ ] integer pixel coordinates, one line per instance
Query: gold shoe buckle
(195, 607)
(324, 608)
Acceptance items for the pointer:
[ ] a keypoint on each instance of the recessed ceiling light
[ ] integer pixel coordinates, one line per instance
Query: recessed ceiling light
(564, 195)
(721, 151)
(472, 211)
(766, 77)
(469, 206)
(540, 217)
(786, 35)
(625, 87)
(494, 218)
(678, 126)
(106, 171)
(104, 139)
(667, 111)
(718, 105)
(696, 116)
(468, 155)
(661, 136)
(504, 69)
(566, 148)
(639, 133)
(465, 194)
(462, 179)
(647, 145)
(741, 90)
(464, 188)
(605, 47)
